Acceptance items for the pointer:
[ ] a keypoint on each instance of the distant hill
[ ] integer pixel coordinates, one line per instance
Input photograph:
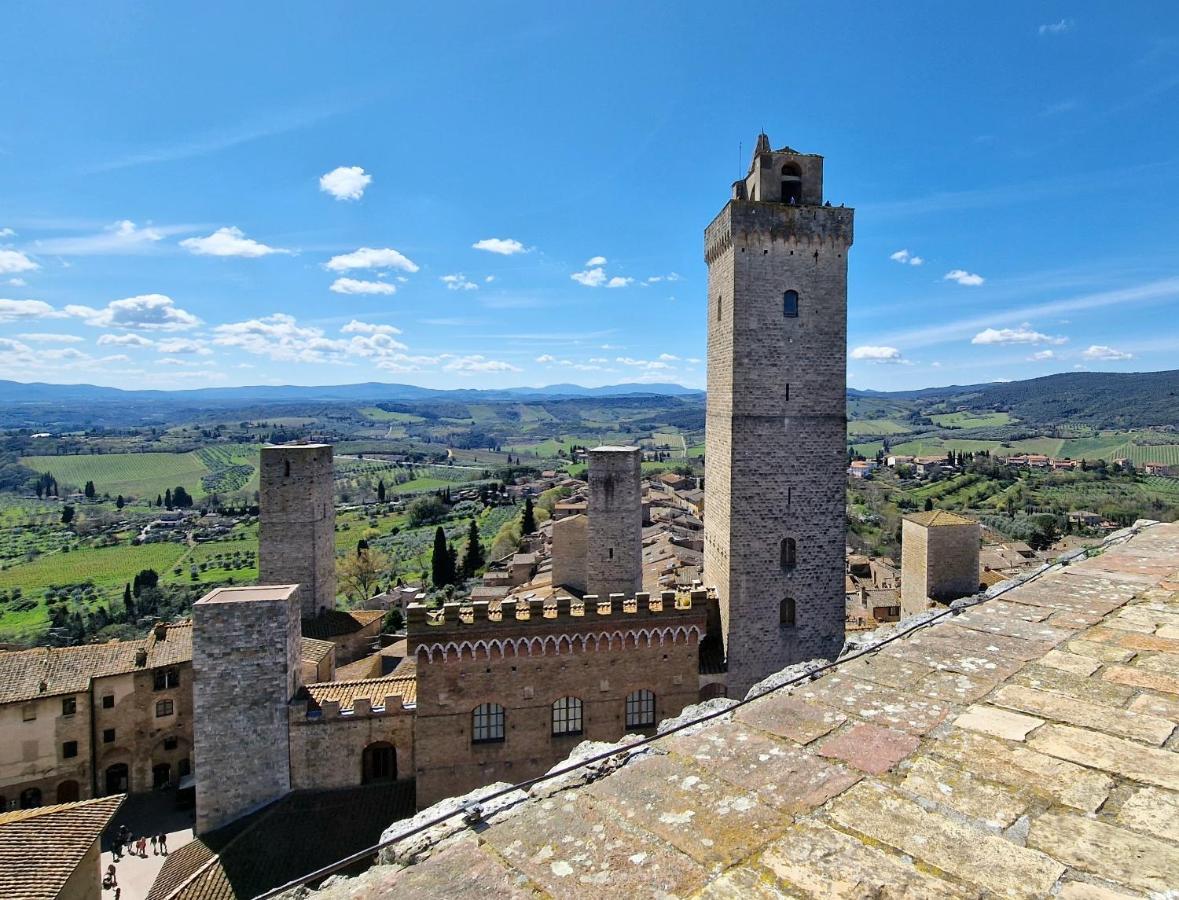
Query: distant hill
(39, 392)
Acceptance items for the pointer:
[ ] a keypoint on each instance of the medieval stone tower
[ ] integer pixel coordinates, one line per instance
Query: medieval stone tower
(614, 543)
(297, 523)
(775, 459)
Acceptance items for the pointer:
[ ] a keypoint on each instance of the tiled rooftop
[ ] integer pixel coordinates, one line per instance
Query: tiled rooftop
(936, 517)
(1024, 747)
(40, 848)
(336, 622)
(375, 690)
(68, 670)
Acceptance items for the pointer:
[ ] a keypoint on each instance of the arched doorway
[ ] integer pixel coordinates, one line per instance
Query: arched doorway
(67, 792)
(161, 775)
(791, 183)
(30, 797)
(118, 778)
(378, 763)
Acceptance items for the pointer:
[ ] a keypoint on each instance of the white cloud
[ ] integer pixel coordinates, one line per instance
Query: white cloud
(42, 337)
(668, 357)
(489, 278)
(358, 327)
(183, 346)
(1041, 355)
(1105, 354)
(228, 241)
(595, 261)
(648, 364)
(123, 340)
(470, 365)
(878, 354)
(172, 361)
(904, 257)
(371, 258)
(502, 246)
(122, 237)
(459, 282)
(147, 312)
(356, 286)
(345, 182)
(16, 310)
(670, 276)
(546, 358)
(7, 232)
(590, 277)
(18, 282)
(1057, 27)
(969, 279)
(618, 282)
(12, 261)
(1021, 335)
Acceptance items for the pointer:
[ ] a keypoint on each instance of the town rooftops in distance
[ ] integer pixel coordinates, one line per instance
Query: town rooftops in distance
(611, 448)
(933, 517)
(251, 593)
(302, 445)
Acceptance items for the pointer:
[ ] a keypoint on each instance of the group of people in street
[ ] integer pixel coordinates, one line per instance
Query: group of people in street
(133, 845)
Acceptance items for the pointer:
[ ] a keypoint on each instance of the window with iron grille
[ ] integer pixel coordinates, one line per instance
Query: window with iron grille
(487, 724)
(640, 709)
(164, 708)
(567, 716)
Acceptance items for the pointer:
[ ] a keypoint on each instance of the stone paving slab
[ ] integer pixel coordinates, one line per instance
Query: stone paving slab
(1110, 754)
(869, 748)
(786, 715)
(943, 783)
(1145, 728)
(875, 703)
(1129, 858)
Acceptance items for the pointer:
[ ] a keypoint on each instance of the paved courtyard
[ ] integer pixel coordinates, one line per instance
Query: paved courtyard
(146, 814)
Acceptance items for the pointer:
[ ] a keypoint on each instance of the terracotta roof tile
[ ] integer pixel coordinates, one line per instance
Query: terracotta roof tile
(375, 689)
(40, 848)
(336, 622)
(939, 517)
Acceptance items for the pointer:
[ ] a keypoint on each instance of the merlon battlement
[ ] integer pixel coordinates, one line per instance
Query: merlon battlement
(424, 623)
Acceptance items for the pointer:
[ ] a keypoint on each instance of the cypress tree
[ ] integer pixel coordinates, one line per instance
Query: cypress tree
(381, 491)
(451, 565)
(439, 559)
(473, 557)
(527, 518)
(168, 498)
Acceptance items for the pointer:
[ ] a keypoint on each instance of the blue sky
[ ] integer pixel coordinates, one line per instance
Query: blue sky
(319, 193)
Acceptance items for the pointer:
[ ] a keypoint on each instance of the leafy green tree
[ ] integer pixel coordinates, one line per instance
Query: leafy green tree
(67, 514)
(426, 510)
(928, 504)
(120, 502)
(89, 490)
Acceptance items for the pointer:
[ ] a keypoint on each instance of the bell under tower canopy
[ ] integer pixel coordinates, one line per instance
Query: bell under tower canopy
(782, 176)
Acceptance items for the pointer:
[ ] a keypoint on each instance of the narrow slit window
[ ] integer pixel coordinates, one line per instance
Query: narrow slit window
(786, 613)
(788, 553)
(286, 468)
(790, 304)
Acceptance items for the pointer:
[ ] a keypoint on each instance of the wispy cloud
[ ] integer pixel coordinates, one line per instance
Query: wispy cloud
(501, 246)
(1105, 354)
(122, 238)
(1052, 28)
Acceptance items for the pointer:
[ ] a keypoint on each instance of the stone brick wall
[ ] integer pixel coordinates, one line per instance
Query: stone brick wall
(297, 520)
(614, 542)
(569, 542)
(246, 669)
(914, 553)
(524, 665)
(776, 441)
(327, 749)
(31, 751)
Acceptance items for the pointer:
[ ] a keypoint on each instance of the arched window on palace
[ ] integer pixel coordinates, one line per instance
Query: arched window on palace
(786, 613)
(30, 798)
(640, 709)
(67, 792)
(791, 183)
(567, 716)
(790, 305)
(487, 724)
(378, 763)
(788, 553)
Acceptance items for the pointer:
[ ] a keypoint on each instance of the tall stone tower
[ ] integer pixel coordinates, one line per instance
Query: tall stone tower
(297, 523)
(246, 668)
(939, 559)
(774, 506)
(614, 514)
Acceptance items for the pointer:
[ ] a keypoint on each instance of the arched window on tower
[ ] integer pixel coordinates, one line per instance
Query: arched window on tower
(791, 184)
(786, 613)
(788, 553)
(790, 304)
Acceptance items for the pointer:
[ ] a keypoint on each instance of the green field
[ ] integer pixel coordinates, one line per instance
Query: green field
(130, 474)
(875, 427)
(972, 420)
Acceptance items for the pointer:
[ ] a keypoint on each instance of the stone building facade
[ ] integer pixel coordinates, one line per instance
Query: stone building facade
(504, 693)
(614, 539)
(94, 720)
(246, 668)
(569, 543)
(297, 519)
(775, 423)
(939, 559)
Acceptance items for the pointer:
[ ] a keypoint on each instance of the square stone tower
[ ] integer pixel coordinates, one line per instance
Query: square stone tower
(614, 514)
(297, 523)
(775, 460)
(939, 559)
(246, 669)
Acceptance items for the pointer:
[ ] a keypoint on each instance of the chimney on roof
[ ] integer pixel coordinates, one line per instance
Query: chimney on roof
(161, 630)
(43, 686)
(141, 657)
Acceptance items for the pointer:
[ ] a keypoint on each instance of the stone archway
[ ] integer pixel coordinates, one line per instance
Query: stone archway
(68, 792)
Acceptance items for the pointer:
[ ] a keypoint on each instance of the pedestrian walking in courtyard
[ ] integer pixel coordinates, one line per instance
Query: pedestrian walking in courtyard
(111, 876)
(154, 850)
(141, 846)
(163, 842)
